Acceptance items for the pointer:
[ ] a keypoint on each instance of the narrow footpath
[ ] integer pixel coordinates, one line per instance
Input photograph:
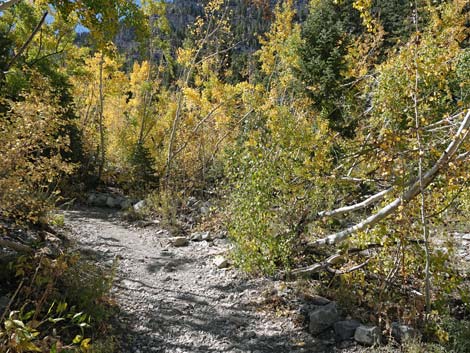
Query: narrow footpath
(175, 300)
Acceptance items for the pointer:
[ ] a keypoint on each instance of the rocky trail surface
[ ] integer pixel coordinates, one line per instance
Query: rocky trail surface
(175, 299)
(177, 294)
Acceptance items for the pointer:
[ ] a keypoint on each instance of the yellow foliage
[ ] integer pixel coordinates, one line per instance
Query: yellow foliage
(31, 163)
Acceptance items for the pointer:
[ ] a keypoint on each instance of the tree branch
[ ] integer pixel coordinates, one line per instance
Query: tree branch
(412, 192)
(356, 206)
(28, 41)
(7, 4)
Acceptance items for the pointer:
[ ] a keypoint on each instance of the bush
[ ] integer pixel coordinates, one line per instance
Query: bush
(31, 162)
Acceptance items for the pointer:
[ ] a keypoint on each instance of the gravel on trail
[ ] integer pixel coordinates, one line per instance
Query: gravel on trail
(176, 300)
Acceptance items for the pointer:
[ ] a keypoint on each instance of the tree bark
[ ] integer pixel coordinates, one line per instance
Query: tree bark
(101, 122)
(358, 206)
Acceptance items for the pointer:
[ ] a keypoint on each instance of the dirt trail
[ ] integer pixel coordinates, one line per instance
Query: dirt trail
(175, 300)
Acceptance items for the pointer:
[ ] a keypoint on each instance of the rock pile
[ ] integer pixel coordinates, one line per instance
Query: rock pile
(324, 316)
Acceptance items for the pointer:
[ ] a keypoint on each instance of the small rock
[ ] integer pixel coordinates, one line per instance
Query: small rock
(111, 202)
(403, 332)
(139, 205)
(466, 237)
(206, 236)
(204, 210)
(323, 318)
(131, 284)
(221, 262)
(367, 335)
(345, 330)
(250, 334)
(179, 241)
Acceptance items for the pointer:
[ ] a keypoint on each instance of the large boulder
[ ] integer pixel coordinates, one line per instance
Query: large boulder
(323, 318)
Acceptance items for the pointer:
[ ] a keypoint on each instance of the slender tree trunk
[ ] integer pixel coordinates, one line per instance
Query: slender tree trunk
(101, 123)
(424, 223)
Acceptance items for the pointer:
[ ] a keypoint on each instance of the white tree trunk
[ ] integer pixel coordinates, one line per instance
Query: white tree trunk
(412, 192)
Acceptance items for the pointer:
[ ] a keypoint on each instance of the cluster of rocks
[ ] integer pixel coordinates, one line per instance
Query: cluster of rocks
(219, 261)
(99, 199)
(326, 316)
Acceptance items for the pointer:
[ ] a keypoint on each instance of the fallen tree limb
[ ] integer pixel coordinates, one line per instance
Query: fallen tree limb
(356, 206)
(414, 190)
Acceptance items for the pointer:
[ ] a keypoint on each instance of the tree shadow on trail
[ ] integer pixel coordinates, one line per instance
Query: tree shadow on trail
(192, 322)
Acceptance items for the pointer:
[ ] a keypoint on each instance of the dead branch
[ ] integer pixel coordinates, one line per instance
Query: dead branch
(358, 206)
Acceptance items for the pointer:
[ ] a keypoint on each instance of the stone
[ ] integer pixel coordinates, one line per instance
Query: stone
(179, 241)
(200, 236)
(139, 205)
(344, 330)
(221, 262)
(206, 236)
(323, 318)
(111, 202)
(367, 335)
(403, 332)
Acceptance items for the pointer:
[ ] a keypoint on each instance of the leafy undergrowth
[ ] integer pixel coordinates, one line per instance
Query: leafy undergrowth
(56, 305)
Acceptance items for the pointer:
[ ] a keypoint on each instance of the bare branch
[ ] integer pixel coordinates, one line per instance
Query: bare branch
(358, 206)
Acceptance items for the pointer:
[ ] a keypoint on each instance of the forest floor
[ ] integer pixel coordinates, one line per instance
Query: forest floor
(174, 299)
